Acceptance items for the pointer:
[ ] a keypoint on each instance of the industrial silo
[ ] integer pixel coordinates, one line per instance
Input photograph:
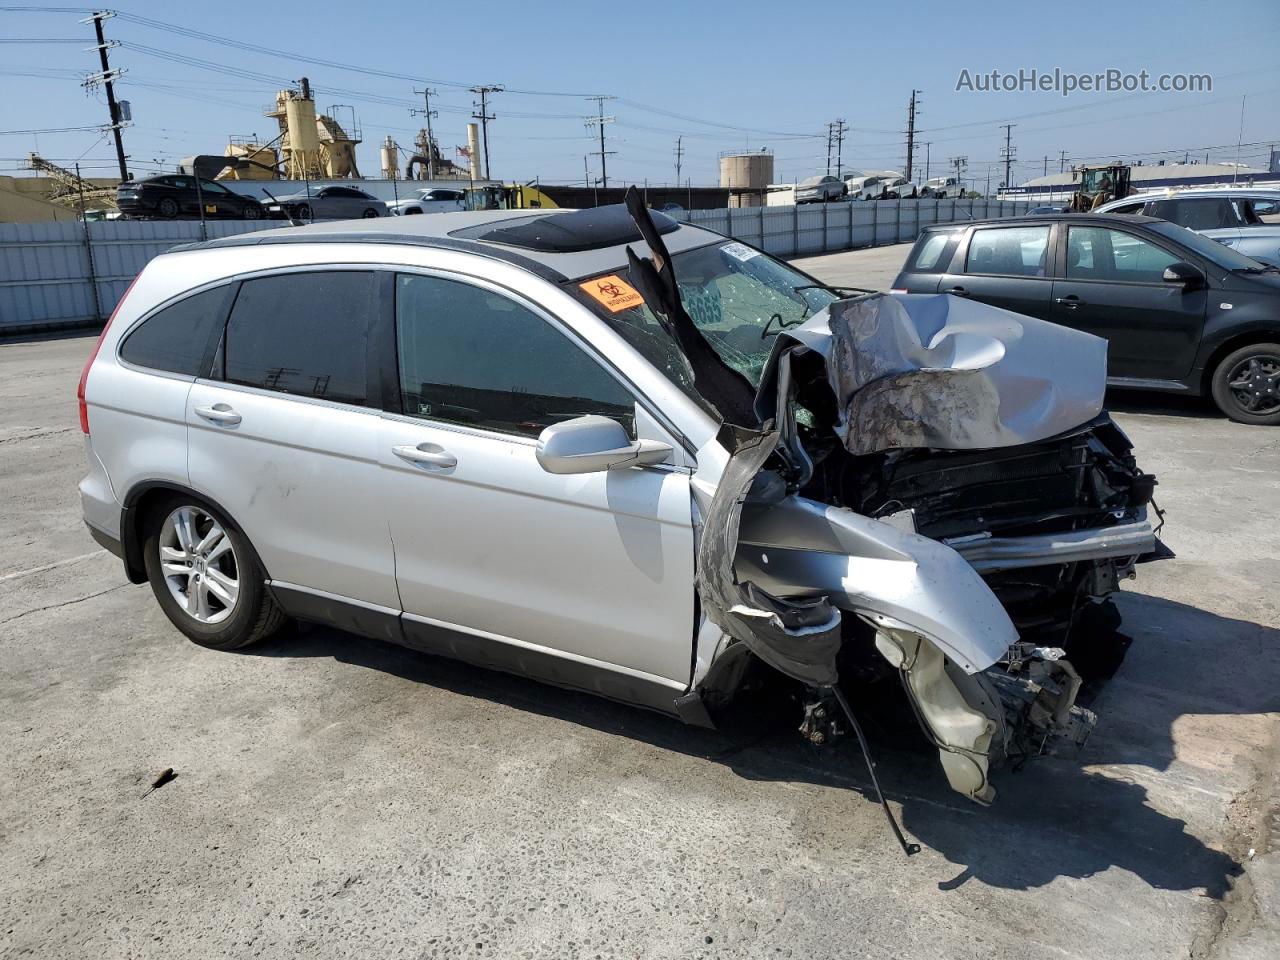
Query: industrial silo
(746, 176)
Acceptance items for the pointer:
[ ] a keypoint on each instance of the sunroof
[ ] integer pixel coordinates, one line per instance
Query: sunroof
(568, 232)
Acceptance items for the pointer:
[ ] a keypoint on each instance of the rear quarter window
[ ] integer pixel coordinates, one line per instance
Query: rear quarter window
(932, 252)
(181, 337)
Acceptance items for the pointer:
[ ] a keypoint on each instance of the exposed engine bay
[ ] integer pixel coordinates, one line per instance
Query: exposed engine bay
(926, 487)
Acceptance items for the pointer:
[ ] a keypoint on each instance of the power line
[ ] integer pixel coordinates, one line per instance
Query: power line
(911, 129)
(1007, 153)
(107, 75)
(599, 122)
(427, 112)
(484, 117)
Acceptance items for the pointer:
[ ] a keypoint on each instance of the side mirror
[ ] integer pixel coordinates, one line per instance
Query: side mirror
(1185, 274)
(594, 444)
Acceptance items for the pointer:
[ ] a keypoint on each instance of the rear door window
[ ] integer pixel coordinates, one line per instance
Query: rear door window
(474, 357)
(304, 333)
(180, 338)
(1017, 251)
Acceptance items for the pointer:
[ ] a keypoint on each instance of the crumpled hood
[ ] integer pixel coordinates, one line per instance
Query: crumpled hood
(942, 372)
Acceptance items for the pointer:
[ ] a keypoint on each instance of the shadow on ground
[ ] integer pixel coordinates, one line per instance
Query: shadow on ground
(1052, 818)
(1162, 404)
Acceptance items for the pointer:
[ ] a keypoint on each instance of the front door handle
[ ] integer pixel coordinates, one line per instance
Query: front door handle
(1070, 302)
(958, 291)
(219, 413)
(426, 454)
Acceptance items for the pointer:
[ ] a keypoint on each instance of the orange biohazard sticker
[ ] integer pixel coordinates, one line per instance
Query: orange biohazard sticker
(614, 293)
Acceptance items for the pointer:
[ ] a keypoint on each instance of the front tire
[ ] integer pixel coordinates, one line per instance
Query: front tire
(206, 577)
(253, 213)
(1246, 385)
(369, 213)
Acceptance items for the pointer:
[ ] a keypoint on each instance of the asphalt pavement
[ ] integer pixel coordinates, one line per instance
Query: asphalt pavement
(339, 797)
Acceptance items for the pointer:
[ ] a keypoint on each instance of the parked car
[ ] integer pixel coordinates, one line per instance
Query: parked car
(1182, 313)
(943, 188)
(1048, 208)
(174, 196)
(1245, 219)
(429, 200)
(819, 190)
(489, 437)
(866, 188)
(900, 188)
(327, 203)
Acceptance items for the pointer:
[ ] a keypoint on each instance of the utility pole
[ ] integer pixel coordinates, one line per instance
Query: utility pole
(928, 150)
(1007, 153)
(835, 130)
(988, 193)
(679, 157)
(960, 163)
(1062, 161)
(1046, 165)
(911, 130)
(586, 171)
(105, 78)
(484, 117)
(427, 112)
(600, 121)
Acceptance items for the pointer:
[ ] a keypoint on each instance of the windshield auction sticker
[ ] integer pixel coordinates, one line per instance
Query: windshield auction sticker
(613, 293)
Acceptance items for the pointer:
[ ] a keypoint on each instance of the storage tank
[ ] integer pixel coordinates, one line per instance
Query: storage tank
(301, 117)
(390, 159)
(473, 147)
(264, 160)
(746, 176)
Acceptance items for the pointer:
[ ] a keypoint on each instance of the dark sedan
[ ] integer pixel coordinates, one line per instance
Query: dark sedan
(1181, 312)
(174, 196)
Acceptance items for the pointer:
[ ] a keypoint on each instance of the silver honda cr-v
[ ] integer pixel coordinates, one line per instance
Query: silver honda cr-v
(625, 455)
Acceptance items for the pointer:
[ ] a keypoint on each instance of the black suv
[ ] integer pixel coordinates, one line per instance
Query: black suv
(1181, 312)
(174, 196)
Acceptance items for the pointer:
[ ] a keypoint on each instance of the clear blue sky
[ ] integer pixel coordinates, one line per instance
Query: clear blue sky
(770, 74)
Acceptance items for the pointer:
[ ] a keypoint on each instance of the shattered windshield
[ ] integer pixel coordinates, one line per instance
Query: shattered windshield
(739, 298)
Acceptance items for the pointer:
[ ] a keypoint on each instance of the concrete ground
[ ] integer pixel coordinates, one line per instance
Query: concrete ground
(340, 797)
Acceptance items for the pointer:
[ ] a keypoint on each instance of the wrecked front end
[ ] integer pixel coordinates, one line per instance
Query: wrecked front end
(921, 488)
(937, 494)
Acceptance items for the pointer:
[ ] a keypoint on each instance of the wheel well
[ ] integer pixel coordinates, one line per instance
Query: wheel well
(139, 503)
(1230, 346)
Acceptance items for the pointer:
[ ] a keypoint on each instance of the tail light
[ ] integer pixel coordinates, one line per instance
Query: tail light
(84, 375)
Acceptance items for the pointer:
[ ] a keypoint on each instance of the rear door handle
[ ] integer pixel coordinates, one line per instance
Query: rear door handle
(426, 454)
(1070, 302)
(958, 291)
(219, 413)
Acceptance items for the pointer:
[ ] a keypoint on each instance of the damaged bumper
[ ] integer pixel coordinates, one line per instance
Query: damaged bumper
(990, 554)
(936, 491)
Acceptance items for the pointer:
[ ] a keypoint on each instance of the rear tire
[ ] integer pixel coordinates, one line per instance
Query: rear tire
(1246, 385)
(167, 207)
(206, 576)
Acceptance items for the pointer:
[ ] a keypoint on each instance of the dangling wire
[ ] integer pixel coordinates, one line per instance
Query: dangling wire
(910, 849)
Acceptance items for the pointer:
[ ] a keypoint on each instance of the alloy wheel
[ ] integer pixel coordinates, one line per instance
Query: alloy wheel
(199, 564)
